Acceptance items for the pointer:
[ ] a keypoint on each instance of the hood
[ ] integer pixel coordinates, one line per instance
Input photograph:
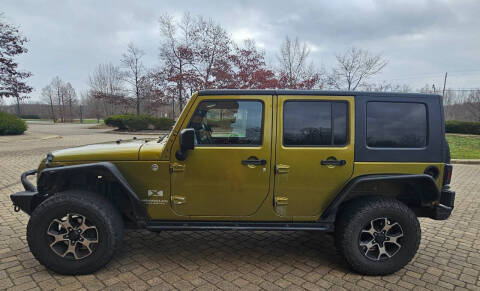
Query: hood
(113, 151)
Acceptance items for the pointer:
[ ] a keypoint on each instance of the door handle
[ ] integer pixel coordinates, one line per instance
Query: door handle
(254, 162)
(332, 162)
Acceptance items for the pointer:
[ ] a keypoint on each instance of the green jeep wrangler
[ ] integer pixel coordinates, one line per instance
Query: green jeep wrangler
(361, 165)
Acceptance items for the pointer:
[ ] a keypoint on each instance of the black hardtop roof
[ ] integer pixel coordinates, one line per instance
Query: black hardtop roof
(311, 92)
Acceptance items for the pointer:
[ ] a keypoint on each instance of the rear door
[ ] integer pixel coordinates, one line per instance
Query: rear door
(314, 153)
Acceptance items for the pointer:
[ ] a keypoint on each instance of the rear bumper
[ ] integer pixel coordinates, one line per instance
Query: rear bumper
(443, 210)
(26, 200)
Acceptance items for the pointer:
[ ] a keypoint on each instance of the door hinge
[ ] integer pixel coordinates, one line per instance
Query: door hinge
(281, 204)
(178, 200)
(282, 169)
(281, 201)
(176, 167)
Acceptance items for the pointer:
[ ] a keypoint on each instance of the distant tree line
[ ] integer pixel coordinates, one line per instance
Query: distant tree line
(462, 105)
(196, 53)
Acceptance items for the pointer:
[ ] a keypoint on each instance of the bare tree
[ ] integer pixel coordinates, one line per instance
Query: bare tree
(49, 96)
(473, 102)
(295, 72)
(70, 99)
(448, 100)
(59, 91)
(354, 68)
(91, 106)
(387, 87)
(61, 98)
(191, 50)
(106, 85)
(132, 61)
(176, 54)
(211, 47)
(154, 90)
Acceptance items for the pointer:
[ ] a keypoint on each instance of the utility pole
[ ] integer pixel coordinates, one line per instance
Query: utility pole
(173, 107)
(17, 96)
(81, 114)
(18, 106)
(444, 83)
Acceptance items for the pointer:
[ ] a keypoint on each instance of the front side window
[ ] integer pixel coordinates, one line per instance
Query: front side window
(396, 125)
(314, 123)
(228, 122)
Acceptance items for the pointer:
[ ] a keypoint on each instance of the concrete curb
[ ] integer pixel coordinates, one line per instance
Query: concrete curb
(158, 133)
(465, 162)
(50, 137)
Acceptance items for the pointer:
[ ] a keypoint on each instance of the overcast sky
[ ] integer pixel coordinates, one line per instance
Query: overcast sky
(421, 39)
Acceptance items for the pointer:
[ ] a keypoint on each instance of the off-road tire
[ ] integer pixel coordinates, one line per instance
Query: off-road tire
(98, 210)
(352, 218)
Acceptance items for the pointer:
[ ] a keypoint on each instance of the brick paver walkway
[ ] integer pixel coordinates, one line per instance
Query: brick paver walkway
(448, 258)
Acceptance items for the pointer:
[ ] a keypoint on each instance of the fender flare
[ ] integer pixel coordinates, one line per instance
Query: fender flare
(429, 189)
(46, 176)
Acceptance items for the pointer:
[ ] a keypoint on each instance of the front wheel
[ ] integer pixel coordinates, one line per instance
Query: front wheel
(74, 232)
(377, 235)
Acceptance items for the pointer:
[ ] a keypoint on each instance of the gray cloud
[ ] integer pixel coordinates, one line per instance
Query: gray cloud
(422, 39)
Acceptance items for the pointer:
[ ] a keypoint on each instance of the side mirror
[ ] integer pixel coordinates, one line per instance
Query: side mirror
(187, 142)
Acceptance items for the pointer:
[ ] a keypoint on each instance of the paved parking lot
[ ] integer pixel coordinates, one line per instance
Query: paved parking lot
(448, 258)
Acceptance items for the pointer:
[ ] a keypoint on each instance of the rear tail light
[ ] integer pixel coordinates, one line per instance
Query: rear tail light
(447, 174)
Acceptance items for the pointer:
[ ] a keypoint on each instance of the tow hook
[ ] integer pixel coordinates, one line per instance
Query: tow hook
(16, 208)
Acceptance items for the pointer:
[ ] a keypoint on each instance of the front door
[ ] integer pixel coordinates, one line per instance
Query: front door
(227, 174)
(314, 153)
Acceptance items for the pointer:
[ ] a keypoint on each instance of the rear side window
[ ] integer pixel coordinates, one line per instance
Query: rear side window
(396, 125)
(314, 123)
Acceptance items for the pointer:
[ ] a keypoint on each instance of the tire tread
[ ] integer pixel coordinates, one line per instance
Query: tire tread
(354, 209)
(107, 213)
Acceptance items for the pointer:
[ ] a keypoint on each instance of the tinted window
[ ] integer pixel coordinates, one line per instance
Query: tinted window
(396, 125)
(314, 123)
(228, 122)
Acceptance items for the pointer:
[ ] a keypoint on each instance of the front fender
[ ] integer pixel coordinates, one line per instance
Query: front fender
(50, 177)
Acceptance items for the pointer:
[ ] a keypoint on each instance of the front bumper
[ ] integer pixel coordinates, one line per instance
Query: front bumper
(26, 200)
(443, 210)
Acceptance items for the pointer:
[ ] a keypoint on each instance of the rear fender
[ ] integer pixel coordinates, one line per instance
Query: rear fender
(423, 190)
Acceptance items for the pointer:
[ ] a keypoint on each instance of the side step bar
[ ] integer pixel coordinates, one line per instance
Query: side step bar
(229, 225)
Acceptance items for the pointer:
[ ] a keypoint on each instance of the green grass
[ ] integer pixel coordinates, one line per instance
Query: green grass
(464, 146)
(35, 119)
(88, 121)
(85, 121)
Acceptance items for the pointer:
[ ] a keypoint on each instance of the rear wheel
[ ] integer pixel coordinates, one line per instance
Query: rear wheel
(376, 235)
(74, 232)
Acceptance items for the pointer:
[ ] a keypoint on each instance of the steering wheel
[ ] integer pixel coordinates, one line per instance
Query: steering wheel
(208, 133)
